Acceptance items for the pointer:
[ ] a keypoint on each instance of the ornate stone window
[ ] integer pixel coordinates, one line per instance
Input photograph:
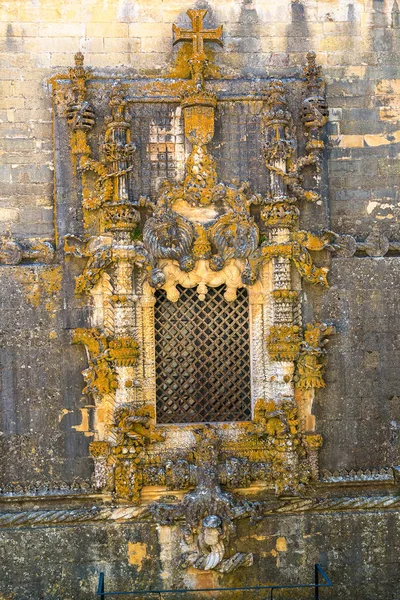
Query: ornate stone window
(201, 372)
(202, 357)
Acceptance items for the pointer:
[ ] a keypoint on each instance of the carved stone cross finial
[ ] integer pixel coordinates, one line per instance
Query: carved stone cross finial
(197, 34)
(198, 61)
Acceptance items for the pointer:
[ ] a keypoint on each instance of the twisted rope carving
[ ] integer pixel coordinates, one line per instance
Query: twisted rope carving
(338, 504)
(98, 514)
(53, 517)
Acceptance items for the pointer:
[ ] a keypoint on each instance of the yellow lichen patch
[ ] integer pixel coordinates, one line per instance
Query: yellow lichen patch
(201, 580)
(259, 538)
(181, 68)
(388, 216)
(281, 544)
(347, 141)
(382, 139)
(387, 86)
(304, 399)
(356, 71)
(41, 286)
(137, 552)
(172, 88)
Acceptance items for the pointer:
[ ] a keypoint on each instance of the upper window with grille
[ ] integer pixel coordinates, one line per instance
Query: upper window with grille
(202, 357)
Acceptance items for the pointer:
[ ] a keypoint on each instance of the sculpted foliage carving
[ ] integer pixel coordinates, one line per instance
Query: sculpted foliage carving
(104, 355)
(134, 426)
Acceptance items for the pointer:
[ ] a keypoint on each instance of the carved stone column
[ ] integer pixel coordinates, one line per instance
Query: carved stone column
(280, 216)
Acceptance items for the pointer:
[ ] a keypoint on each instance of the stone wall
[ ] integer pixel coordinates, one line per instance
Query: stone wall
(357, 44)
(44, 419)
(359, 549)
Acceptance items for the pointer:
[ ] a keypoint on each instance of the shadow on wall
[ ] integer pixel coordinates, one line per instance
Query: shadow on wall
(242, 44)
(245, 41)
(298, 38)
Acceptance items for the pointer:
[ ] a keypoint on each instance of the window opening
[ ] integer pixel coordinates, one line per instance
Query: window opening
(202, 357)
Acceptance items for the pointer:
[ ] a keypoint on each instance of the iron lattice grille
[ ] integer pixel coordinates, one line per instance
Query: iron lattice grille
(202, 357)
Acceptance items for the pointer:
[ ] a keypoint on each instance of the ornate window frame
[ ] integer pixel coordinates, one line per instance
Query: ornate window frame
(135, 459)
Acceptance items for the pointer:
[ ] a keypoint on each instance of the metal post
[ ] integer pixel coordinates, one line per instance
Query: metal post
(316, 581)
(100, 589)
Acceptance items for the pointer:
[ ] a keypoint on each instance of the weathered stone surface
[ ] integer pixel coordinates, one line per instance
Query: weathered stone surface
(358, 551)
(46, 423)
(359, 407)
(42, 414)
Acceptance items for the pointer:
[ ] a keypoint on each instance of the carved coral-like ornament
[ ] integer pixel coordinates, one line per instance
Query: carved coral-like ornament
(120, 216)
(310, 364)
(280, 212)
(315, 108)
(283, 342)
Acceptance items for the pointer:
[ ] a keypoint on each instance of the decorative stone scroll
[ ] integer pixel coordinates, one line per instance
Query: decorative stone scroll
(198, 232)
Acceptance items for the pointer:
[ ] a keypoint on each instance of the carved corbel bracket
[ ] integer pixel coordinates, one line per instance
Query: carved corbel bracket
(102, 253)
(111, 360)
(289, 343)
(121, 351)
(100, 376)
(310, 365)
(309, 373)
